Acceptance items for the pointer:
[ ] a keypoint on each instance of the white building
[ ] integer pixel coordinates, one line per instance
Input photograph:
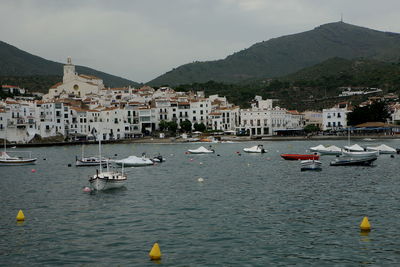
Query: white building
(75, 85)
(335, 118)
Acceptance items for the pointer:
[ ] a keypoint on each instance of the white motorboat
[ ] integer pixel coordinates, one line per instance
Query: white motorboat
(89, 161)
(360, 154)
(133, 161)
(7, 160)
(311, 165)
(354, 148)
(255, 149)
(331, 150)
(383, 149)
(201, 150)
(108, 179)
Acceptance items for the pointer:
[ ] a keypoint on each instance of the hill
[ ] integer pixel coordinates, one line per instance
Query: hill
(315, 87)
(15, 63)
(287, 54)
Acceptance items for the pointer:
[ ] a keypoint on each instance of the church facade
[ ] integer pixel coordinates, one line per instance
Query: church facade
(75, 85)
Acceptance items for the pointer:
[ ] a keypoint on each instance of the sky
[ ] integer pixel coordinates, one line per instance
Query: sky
(142, 39)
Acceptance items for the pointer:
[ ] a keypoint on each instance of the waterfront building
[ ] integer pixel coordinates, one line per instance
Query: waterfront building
(335, 118)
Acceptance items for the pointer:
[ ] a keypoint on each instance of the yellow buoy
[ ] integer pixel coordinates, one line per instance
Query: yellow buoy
(365, 225)
(20, 216)
(155, 253)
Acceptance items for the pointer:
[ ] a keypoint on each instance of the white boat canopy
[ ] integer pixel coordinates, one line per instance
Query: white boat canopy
(382, 148)
(354, 147)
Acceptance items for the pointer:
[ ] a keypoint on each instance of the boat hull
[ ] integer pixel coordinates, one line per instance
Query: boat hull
(99, 183)
(354, 161)
(299, 157)
(17, 162)
(363, 154)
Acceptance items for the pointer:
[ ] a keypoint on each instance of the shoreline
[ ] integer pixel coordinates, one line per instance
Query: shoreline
(149, 140)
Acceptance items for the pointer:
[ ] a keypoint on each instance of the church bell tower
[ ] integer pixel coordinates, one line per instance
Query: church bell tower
(69, 71)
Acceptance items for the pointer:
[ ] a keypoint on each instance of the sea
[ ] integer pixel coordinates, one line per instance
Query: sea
(247, 210)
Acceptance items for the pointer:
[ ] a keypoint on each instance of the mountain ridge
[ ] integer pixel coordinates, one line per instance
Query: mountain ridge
(290, 53)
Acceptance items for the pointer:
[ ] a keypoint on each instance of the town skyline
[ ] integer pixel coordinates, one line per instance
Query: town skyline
(145, 42)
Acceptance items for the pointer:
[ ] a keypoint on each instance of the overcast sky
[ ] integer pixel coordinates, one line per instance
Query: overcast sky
(142, 39)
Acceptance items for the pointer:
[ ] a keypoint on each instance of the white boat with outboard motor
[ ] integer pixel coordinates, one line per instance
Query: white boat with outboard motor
(255, 149)
(201, 150)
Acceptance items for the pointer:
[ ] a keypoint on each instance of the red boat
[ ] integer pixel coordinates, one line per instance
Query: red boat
(299, 156)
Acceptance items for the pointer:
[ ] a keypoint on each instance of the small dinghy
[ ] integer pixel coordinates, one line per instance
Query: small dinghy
(383, 149)
(133, 161)
(255, 149)
(311, 165)
(201, 150)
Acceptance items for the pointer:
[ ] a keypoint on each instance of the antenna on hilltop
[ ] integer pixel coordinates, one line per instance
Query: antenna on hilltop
(341, 17)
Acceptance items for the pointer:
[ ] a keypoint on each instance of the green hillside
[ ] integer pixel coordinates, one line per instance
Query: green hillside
(288, 54)
(314, 87)
(15, 62)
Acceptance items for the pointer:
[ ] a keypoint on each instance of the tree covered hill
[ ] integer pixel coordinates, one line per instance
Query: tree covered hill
(15, 62)
(288, 54)
(314, 87)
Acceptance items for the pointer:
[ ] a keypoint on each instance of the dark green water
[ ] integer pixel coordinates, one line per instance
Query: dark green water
(251, 210)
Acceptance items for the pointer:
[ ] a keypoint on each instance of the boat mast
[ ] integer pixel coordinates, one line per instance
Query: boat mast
(101, 167)
(348, 136)
(5, 141)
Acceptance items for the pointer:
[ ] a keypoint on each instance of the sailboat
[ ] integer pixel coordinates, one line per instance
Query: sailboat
(89, 161)
(104, 180)
(7, 160)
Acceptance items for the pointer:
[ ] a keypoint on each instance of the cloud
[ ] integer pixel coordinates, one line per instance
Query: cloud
(140, 40)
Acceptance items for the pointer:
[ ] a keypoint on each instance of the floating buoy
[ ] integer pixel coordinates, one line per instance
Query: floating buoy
(237, 152)
(218, 155)
(44, 159)
(69, 165)
(20, 216)
(200, 180)
(115, 155)
(186, 152)
(155, 253)
(87, 189)
(392, 156)
(201, 163)
(33, 170)
(365, 226)
(191, 159)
